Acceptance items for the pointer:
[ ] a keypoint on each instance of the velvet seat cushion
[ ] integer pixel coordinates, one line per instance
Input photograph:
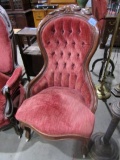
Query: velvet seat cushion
(3, 80)
(57, 111)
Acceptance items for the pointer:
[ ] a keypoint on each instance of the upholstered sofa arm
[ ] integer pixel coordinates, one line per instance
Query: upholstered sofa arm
(15, 78)
(10, 90)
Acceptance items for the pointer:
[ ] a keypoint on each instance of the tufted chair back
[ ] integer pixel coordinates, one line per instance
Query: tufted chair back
(66, 41)
(7, 49)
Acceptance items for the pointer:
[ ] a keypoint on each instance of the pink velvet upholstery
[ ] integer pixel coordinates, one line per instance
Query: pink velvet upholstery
(61, 98)
(58, 111)
(3, 121)
(17, 100)
(12, 93)
(6, 59)
(99, 10)
(67, 46)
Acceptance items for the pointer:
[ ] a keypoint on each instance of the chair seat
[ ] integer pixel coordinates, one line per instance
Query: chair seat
(57, 111)
(3, 121)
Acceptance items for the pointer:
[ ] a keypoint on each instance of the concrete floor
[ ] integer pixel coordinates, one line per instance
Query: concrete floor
(39, 148)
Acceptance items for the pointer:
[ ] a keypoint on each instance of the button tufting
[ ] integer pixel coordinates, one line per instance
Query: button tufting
(52, 54)
(78, 55)
(75, 76)
(57, 42)
(70, 31)
(53, 30)
(48, 42)
(61, 53)
(56, 65)
(78, 32)
(73, 42)
(83, 43)
(69, 54)
(64, 66)
(65, 43)
(73, 65)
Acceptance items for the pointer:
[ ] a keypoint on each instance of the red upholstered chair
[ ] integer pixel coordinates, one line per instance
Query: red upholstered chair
(61, 99)
(12, 93)
(99, 10)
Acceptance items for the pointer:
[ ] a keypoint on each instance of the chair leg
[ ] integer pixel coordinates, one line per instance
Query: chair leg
(18, 130)
(84, 147)
(27, 131)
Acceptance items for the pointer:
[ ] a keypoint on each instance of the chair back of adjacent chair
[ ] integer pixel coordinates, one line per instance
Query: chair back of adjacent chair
(12, 92)
(99, 10)
(67, 41)
(7, 44)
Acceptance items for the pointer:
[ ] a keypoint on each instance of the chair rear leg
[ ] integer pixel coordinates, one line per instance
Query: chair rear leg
(84, 147)
(27, 131)
(18, 130)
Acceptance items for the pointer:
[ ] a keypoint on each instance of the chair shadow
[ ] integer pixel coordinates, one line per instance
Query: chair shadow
(69, 147)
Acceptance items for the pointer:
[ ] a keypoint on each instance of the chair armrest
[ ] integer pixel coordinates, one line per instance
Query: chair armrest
(10, 90)
(15, 79)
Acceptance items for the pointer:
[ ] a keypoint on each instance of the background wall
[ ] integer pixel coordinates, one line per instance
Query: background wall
(89, 3)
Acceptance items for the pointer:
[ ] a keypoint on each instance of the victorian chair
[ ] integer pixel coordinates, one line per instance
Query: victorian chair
(61, 99)
(12, 92)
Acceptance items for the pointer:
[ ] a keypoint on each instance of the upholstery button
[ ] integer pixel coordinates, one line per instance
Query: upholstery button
(73, 65)
(61, 53)
(56, 65)
(48, 42)
(83, 43)
(73, 42)
(78, 31)
(70, 31)
(53, 29)
(64, 66)
(57, 42)
(65, 43)
(69, 54)
(78, 55)
(52, 54)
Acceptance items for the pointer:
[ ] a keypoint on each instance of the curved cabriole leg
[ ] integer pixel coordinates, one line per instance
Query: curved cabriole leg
(84, 147)
(18, 130)
(27, 133)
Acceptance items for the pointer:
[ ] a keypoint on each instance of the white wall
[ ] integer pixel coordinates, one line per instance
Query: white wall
(89, 3)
